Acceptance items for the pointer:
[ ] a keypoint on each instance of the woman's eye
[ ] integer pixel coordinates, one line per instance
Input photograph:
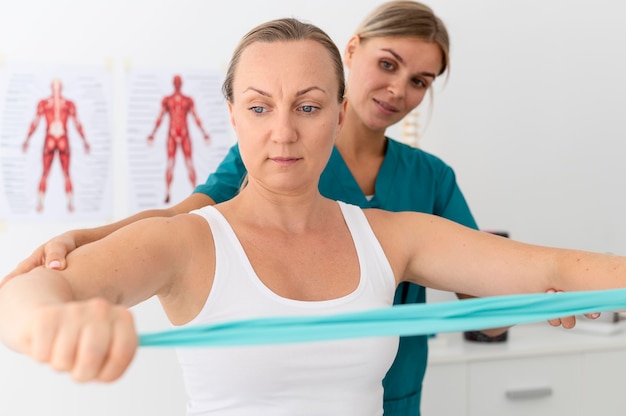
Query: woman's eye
(419, 83)
(257, 109)
(308, 108)
(387, 65)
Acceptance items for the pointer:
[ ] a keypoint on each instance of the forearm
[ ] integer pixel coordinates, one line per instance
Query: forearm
(577, 270)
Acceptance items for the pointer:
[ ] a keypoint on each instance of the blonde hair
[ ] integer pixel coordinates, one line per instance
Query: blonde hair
(407, 18)
(285, 30)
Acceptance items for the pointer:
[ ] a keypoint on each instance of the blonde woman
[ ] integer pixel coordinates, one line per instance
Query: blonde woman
(396, 54)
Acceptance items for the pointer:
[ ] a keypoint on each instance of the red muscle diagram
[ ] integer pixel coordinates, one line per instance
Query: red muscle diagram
(56, 111)
(178, 107)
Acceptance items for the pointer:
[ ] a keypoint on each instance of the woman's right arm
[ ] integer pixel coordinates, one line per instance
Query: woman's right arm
(40, 319)
(77, 319)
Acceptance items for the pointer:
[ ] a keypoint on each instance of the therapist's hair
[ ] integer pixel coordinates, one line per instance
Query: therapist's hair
(406, 18)
(285, 30)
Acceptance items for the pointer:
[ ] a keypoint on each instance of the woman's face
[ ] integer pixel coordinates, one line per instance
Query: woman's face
(285, 113)
(389, 76)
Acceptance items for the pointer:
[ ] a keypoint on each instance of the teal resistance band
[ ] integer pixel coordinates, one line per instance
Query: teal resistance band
(415, 319)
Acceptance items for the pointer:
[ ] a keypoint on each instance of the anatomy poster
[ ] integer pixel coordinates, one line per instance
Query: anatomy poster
(55, 143)
(178, 132)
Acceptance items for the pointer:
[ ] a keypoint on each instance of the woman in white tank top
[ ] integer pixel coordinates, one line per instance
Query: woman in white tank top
(278, 248)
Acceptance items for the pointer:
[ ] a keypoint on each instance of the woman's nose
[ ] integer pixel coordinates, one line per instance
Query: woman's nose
(397, 88)
(284, 129)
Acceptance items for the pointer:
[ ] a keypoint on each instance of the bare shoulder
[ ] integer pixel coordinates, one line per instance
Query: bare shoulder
(397, 233)
(413, 241)
(195, 232)
(163, 239)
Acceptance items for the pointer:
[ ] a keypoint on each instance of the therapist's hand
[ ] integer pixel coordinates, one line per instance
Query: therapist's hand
(50, 254)
(570, 321)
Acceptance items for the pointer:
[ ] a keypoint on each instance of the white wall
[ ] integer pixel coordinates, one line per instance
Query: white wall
(531, 120)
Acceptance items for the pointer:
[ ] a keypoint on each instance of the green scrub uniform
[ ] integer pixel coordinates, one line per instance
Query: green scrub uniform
(409, 180)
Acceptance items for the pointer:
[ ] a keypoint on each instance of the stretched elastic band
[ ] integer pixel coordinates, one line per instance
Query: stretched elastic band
(414, 319)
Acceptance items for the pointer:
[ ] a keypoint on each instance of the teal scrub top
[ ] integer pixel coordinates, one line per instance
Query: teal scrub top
(410, 179)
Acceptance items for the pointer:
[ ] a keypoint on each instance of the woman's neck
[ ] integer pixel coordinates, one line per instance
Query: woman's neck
(291, 213)
(363, 151)
(356, 141)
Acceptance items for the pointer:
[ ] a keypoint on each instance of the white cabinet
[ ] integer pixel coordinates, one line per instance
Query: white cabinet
(539, 371)
(537, 386)
(445, 390)
(604, 384)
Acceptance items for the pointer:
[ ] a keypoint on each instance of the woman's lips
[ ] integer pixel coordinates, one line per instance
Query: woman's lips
(386, 107)
(285, 161)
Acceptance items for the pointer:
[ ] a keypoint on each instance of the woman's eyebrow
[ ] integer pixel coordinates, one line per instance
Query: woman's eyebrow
(309, 89)
(298, 93)
(258, 91)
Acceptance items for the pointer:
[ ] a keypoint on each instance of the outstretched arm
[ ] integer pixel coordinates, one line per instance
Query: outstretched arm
(77, 320)
(39, 319)
(450, 203)
(441, 254)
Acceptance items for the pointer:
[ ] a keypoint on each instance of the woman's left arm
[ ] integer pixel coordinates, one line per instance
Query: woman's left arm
(438, 253)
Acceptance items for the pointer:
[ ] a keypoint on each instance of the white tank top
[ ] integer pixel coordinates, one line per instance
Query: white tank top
(341, 377)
